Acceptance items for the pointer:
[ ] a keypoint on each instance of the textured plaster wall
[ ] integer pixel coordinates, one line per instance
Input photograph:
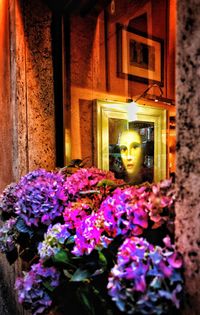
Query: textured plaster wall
(32, 99)
(39, 86)
(188, 148)
(27, 127)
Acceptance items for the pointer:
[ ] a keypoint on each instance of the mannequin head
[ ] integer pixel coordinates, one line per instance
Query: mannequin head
(131, 153)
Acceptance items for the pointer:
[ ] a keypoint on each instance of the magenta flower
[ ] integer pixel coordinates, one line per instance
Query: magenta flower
(124, 212)
(87, 237)
(86, 179)
(175, 260)
(76, 212)
(161, 202)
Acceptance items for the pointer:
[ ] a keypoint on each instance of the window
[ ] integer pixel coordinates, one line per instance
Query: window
(105, 70)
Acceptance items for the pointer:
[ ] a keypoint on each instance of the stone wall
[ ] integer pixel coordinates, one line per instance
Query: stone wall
(188, 148)
(32, 77)
(27, 127)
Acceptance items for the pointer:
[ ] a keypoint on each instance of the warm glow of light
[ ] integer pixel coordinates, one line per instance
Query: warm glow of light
(132, 111)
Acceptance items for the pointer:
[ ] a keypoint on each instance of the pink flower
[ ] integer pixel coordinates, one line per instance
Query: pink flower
(175, 260)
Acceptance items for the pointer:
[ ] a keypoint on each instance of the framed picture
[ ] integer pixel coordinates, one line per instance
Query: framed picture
(139, 57)
(133, 147)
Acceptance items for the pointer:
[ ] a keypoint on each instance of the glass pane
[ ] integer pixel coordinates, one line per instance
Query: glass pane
(116, 128)
(131, 151)
(124, 52)
(146, 132)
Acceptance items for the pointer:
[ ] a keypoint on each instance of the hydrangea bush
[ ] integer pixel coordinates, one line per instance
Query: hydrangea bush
(88, 240)
(35, 288)
(146, 278)
(40, 197)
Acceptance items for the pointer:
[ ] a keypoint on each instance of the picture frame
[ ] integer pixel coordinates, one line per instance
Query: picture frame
(140, 57)
(112, 117)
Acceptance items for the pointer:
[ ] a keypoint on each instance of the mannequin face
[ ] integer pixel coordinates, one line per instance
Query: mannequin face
(131, 151)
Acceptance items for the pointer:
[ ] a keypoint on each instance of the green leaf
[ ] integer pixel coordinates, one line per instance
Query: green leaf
(87, 304)
(47, 285)
(80, 275)
(98, 272)
(86, 300)
(62, 257)
(106, 182)
(70, 240)
(102, 259)
(67, 273)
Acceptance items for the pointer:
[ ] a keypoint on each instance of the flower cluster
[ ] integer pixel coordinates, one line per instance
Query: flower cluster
(8, 236)
(54, 240)
(161, 201)
(35, 287)
(76, 212)
(84, 236)
(81, 219)
(146, 278)
(124, 212)
(131, 210)
(87, 237)
(7, 200)
(96, 227)
(86, 179)
(40, 197)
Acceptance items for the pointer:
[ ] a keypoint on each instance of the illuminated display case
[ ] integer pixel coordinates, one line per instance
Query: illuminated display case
(131, 140)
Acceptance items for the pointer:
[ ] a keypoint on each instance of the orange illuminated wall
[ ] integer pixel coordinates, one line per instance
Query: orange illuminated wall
(171, 84)
(171, 41)
(5, 111)
(93, 69)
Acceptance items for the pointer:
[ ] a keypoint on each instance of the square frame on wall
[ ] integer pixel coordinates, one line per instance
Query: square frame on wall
(140, 57)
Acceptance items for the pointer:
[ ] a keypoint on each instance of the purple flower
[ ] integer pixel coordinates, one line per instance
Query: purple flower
(32, 290)
(143, 281)
(40, 197)
(175, 292)
(125, 212)
(85, 224)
